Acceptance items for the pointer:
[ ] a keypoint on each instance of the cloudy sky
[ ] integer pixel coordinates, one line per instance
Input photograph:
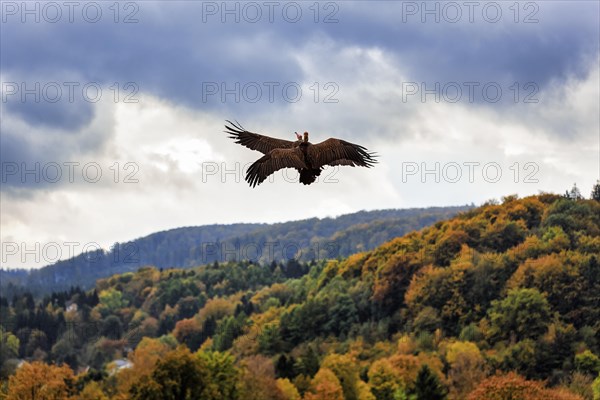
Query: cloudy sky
(113, 113)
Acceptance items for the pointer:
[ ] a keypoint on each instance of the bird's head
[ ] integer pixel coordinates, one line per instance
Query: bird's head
(306, 136)
(298, 136)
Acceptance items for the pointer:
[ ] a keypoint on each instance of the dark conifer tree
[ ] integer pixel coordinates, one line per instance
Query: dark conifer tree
(284, 367)
(596, 191)
(428, 386)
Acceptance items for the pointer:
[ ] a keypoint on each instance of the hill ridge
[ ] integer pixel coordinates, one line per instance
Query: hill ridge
(195, 245)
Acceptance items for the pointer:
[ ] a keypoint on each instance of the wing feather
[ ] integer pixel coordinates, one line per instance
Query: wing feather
(274, 161)
(255, 141)
(339, 152)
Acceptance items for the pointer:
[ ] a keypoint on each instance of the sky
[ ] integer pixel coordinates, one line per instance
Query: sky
(112, 113)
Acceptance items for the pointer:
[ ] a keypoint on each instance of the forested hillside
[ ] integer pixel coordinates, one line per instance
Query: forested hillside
(192, 246)
(499, 302)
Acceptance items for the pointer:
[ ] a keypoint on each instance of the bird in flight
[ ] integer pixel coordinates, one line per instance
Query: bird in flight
(309, 159)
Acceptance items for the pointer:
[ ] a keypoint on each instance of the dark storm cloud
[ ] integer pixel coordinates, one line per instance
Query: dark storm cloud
(70, 116)
(555, 46)
(15, 148)
(176, 50)
(169, 53)
(18, 156)
(42, 158)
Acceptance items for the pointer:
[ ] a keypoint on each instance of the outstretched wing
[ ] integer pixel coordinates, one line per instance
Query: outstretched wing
(254, 141)
(274, 161)
(339, 152)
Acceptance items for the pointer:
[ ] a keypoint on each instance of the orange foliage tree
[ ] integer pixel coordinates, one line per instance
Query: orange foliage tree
(144, 359)
(258, 379)
(325, 386)
(36, 380)
(514, 387)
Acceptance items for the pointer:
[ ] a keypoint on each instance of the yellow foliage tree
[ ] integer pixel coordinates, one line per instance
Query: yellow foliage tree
(289, 390)
(92, 391)
(345, 368)
(217, 308)
(364, 391)
(467, 368)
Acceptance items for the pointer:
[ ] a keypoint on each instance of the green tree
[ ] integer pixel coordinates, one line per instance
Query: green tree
(309, 362)
(64, 350)
(178, 376)
(228, 330)
(520, 357)
(385, 382)
(188, 306)
(223, 374)
(111, 300)
(588, 363)
(342, 315)
(304, 322)
(112, 327)
(554, 349)
(523, 314)
(9, 348)
(269, 340)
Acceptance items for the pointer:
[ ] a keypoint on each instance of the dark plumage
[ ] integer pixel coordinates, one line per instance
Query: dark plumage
(307, 158)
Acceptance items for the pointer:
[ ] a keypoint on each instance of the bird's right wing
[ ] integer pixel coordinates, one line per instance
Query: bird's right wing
(274, 161)
(254, 141)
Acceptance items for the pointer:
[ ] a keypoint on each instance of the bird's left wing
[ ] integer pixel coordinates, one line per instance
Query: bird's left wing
(339, 152)
(255, 141)
(274, 161)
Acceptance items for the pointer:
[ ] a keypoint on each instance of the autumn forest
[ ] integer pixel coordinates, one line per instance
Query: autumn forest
(498, 302)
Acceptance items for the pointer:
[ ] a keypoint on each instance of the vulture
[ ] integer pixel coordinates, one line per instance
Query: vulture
(307, 158)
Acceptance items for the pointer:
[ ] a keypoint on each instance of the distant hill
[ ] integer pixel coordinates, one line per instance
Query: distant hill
(186, 247)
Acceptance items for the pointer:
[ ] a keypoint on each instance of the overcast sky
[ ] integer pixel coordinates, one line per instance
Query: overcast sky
(113, 113)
